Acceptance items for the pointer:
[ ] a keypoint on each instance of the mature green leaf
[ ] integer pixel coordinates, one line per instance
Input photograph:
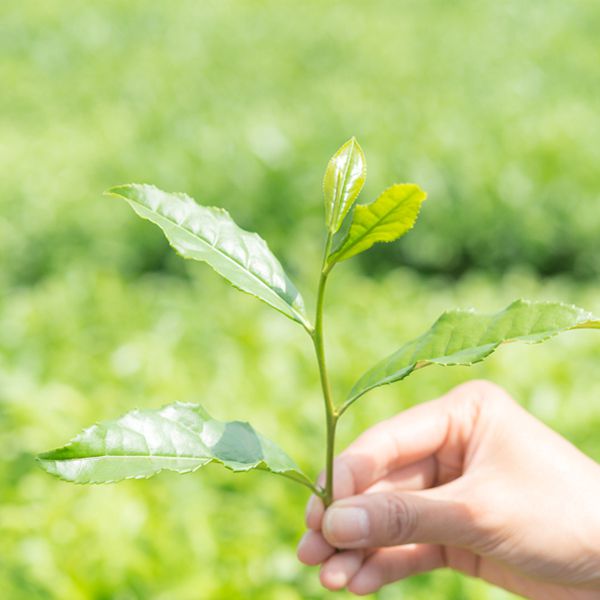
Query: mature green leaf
(386, 219)
(178, 437)
(344, 178)
(464, 337)
(209, 234)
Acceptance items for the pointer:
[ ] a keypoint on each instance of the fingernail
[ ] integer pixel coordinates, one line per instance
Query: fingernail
(336, 579)
(346, 525)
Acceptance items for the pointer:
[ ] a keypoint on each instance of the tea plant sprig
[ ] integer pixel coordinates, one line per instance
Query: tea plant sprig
(184, 437)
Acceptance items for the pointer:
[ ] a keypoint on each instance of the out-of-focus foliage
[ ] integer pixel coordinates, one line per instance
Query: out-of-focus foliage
(89, 345)
(490, 107)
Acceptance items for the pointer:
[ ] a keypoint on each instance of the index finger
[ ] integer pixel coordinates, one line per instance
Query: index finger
(409, 438)
(402, 440)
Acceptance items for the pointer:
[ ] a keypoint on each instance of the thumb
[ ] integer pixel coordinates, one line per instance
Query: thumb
(395, 518)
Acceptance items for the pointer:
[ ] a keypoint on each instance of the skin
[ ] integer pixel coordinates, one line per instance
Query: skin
(471, 482)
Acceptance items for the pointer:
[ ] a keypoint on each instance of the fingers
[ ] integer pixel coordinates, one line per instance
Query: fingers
(343, 486)
(415, 438)
(314, 513)
(417, 476)
(391, 564)
(399, 495)
(417, 433)
(364, 572)
(395, 518)
(313, 548)
(341, 568)
(338, 567)
(410, 438)
(407, 438)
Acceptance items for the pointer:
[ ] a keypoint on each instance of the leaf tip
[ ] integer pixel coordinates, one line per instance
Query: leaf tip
(352, 141)
(116, 191)
(45, 462)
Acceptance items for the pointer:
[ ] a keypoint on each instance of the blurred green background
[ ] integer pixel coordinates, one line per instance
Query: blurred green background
(491, 107)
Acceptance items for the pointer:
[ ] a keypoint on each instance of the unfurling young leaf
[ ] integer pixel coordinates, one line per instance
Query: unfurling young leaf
(344, 178)
(209, 234)
(464, 337)
(178, 437)
(386, 219)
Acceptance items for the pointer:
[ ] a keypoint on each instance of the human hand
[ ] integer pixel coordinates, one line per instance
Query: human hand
(472, 482)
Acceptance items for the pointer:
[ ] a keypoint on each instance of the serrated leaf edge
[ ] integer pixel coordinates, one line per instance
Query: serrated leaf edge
(340, 251)
(589, 321)
(298, 316)
(297, 474)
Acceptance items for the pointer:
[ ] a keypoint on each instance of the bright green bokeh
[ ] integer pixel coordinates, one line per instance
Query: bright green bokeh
(490, 107)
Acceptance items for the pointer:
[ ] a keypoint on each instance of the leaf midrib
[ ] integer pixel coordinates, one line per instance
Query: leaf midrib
(129, 457)
(163, 457)
(338, 205)
(343, 250)
(413, 364)
(299, 316)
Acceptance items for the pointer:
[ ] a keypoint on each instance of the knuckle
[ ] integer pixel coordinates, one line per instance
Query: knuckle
(479, 393)
(400, 519)
(484, 390)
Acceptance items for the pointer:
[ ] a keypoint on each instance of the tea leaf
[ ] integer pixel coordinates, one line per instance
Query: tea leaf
(178, 437)
(386, 219)
(344, 178)
(464, 337)
(209, 234)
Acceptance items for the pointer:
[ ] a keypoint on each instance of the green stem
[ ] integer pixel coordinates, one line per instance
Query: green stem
(331, 415)
(311, 486)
